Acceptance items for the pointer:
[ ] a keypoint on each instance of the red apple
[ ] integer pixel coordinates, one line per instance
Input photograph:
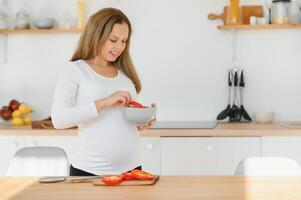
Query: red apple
(14, 105)
(5, 113)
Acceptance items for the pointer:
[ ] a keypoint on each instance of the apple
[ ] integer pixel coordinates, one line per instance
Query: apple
(14, 105)
(6, 113)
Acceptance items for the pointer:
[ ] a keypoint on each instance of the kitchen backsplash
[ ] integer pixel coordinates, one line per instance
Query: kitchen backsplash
(182, 59)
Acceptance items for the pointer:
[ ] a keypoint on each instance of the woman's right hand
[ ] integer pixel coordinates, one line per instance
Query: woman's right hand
(119, 98)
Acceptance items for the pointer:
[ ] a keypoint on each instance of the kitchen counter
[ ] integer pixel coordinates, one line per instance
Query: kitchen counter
(230, 130)
(222, 130)
(168, 187)
(29, 131)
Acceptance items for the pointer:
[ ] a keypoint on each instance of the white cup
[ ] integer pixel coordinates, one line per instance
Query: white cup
(261, 20)
(253, 20)
(264, 117)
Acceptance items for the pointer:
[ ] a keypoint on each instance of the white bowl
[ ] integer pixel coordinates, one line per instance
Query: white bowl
(44, 23)
(264, 117)
(139, 116)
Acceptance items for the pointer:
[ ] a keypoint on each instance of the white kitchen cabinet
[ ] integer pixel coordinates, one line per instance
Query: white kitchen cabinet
(206, 155)
(221, 155)
(180, 155)
(282, 146)
(149, 150)
(64, 142)
(175, 155)
(8, 147)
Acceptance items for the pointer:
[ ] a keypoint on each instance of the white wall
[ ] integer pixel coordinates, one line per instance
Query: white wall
(182, 59)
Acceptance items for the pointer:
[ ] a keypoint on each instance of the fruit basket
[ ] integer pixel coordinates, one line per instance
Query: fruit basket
(16, 113)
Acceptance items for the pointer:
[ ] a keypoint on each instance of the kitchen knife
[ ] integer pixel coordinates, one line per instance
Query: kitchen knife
(56, 179)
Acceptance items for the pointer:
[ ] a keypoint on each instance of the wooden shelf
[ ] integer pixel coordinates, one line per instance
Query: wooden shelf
(260, 27)
(40, 31)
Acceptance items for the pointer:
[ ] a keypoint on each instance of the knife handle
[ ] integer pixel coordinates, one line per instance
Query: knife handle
(52, 179)
(242, 81)
(235, 79)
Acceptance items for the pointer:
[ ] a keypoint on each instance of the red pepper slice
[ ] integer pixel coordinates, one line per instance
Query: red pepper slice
(128, 176)
(142, 175)
(112, 180)
(136, 104)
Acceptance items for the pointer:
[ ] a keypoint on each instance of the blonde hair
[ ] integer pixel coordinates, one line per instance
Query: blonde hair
(96, 32)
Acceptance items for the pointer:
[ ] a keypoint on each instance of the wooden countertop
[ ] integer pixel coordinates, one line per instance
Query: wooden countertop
(167, 187)
(29, 131)
(221, 130)
(232, 130)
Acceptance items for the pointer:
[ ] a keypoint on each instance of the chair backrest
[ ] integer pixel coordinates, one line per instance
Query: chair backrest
(268, 166)
(39, 161)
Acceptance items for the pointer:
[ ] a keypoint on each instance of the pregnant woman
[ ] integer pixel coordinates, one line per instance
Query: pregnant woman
(91, 90)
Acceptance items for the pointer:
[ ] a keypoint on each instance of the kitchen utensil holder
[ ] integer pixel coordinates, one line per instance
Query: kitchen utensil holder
(235, 110)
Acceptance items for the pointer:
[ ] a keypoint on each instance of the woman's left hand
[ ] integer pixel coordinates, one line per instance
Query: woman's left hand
(150, 123)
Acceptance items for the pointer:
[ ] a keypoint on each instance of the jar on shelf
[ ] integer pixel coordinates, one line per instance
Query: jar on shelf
(234, 16)
(81, 8)
(281, 11)
(3, 20)
(66, 21)
(22, 20)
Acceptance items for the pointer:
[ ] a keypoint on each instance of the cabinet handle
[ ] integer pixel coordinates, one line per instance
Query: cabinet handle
(15, 144)
(209, 147)
(150, 146)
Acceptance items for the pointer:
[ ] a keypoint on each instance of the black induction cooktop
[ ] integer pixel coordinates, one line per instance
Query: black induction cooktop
(185, 125)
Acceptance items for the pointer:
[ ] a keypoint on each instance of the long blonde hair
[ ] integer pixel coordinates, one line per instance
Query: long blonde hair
(96, 32)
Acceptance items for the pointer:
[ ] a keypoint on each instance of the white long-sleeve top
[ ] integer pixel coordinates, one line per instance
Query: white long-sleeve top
(106, 142)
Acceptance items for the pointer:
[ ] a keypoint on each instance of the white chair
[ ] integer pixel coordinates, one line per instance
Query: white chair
(39, 161)
(268, 166)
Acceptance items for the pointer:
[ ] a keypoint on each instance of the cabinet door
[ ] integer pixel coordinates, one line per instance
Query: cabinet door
(282, 146)
(149, 150)
(206, 155)
(8, 147)
(180, 155)
(221, 155)
(64, 142)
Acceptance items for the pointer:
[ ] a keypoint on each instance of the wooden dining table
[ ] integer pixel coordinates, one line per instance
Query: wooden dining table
(167, 187)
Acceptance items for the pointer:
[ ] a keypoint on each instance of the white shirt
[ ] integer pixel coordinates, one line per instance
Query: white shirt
(107, 143)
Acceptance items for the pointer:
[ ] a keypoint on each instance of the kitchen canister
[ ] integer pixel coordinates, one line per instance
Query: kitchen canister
(3, 20)
(234, 15)
(253, 20)
(81, 8)
(281, 11)
(22, 20)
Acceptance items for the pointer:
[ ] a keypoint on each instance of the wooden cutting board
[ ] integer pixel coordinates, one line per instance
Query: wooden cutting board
(248, 11)
(222, 16)
(98, 182)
